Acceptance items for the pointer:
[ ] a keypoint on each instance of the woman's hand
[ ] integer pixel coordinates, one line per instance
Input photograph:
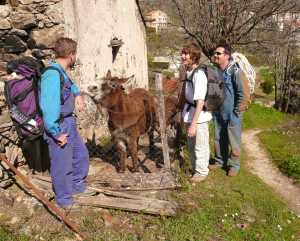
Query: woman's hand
(79, 103)
(62, 139)
(192, 130)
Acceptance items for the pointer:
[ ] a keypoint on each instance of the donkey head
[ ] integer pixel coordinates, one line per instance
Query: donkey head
(106, 94)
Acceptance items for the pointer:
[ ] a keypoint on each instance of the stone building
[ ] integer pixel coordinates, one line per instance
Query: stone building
(110, 35)
(157, 19)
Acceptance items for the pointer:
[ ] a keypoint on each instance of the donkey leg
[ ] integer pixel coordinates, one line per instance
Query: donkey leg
(151, 140)
(121, 149)
(133, 143)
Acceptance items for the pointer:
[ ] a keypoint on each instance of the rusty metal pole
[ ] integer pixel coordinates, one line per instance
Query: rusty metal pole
(43, 199)
(162, 119)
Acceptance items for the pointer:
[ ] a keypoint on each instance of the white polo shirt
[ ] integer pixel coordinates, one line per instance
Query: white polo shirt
(195, 92)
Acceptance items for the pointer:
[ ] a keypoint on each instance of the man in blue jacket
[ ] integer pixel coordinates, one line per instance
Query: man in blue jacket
(58, 97)
(228, 121)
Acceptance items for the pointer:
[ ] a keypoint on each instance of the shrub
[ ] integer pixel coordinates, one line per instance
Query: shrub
(267, 87)
(268, 83)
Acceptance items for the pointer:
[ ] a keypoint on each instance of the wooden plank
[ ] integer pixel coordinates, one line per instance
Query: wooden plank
(41, 197)
(142, 189)
(157, 207)
(137, 181)
(162, 119)
(120, 194)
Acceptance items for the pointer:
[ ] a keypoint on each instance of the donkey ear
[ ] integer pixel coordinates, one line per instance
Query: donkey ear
(108, 75)
(124, 80)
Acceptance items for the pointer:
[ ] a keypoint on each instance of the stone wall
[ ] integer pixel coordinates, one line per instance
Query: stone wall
(30, 27)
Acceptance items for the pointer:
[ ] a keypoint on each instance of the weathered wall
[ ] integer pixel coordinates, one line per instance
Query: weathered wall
(94, 24)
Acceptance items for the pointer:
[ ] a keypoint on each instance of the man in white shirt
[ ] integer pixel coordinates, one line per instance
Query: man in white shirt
(195, 118)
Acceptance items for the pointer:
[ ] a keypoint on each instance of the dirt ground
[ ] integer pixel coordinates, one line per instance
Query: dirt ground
(21, 212)
(262, 166)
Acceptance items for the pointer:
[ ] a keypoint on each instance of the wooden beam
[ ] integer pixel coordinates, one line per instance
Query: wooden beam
(156, 207)
(61, 215)
(162, 119)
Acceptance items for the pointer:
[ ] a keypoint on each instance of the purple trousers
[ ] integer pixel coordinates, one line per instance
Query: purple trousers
(69, 164)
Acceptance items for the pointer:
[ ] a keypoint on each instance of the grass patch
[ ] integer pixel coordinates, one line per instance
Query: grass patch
(266, 74)
(283, 144)
(8, 236)
(262, 117)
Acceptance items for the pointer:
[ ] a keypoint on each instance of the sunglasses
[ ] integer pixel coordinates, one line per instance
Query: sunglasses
(218, 53)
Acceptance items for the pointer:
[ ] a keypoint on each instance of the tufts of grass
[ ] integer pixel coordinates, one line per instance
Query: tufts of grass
(258, 116)
(283, 144)
(8, 236)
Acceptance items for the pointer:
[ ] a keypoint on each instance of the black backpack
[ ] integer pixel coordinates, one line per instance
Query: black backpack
(215, 88)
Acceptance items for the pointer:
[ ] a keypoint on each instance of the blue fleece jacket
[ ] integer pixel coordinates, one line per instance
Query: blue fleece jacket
(50, 102)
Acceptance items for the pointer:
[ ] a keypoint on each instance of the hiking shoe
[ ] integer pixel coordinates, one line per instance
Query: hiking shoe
(72, 207)
(232, 172)
(87, 193)
(198, 178)
(214, 166)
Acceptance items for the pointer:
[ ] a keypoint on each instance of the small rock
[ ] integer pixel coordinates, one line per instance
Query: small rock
(41, 24)
(4, 11)
(19, 32)
(38, 53)
(23, 20)
(55, 14)
(4, 24)
(45, 38)
(14, 220)
(26, 2)
(13, 44)
(49, 24)
(40, 17)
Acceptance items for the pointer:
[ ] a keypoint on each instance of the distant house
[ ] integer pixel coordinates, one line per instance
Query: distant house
(291, 19)
(157, 19)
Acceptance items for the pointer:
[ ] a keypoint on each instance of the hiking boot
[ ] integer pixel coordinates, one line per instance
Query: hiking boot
(87, 193)
(72, 207)
(198, 178)
(232, 172)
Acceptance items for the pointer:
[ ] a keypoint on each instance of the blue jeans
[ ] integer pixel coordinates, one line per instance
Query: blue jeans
(228, 141)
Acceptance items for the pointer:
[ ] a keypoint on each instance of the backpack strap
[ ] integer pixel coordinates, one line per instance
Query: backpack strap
(62, 81)
(190, 80)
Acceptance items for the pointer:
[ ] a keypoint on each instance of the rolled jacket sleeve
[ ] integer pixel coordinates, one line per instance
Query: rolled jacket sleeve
(75, 90)
(239, 92)
(50, 101)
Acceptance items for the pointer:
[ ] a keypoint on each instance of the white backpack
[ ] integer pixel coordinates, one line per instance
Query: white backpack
(247, 68)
